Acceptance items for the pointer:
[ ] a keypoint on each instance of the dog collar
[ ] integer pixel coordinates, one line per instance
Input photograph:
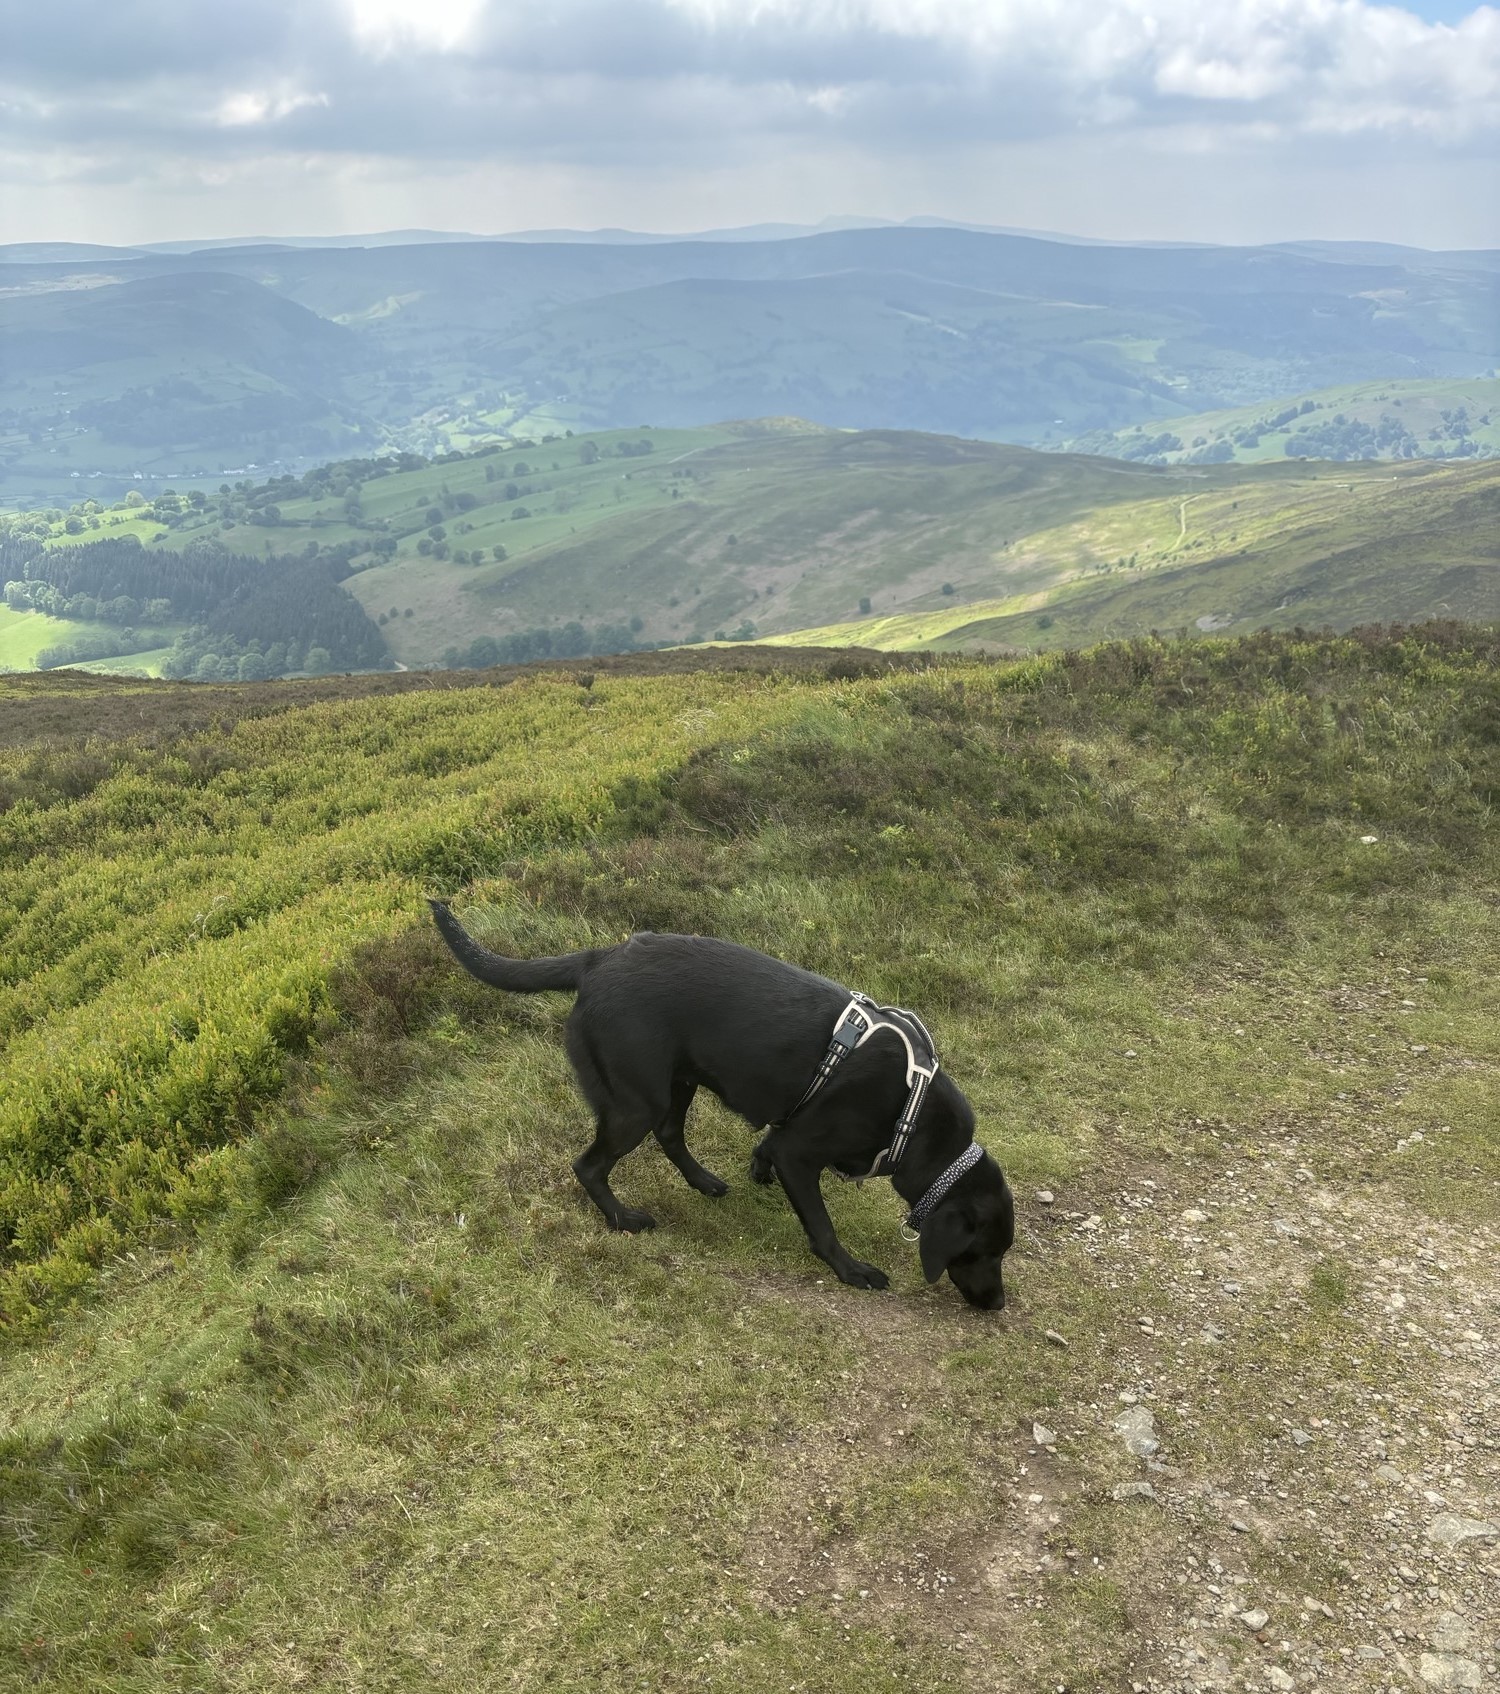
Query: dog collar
(924, 1207)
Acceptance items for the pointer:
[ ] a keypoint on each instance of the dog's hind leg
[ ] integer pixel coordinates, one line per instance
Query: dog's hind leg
(625, 1113)
(620, 1130)
(670, 1135)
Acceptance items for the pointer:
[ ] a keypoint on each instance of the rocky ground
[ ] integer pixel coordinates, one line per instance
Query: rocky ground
(1285, 1476)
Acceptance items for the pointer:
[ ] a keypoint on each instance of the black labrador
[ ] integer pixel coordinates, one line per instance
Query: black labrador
(661, 1015)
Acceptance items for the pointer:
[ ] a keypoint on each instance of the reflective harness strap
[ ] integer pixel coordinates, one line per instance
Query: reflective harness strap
(859, 1020)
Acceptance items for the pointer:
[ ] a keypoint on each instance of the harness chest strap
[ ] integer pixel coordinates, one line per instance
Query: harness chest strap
(859, 1020)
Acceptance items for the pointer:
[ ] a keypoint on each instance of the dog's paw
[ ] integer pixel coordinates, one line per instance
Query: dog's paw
(761, 1168)
(632, 1220)
(714, 1186)
(861, 1275)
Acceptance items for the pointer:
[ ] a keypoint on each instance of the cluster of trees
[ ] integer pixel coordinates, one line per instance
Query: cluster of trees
(205, 657)
(1248, 435)
(88, 648)
(1344, 438)
(569, 641)
(280, 609)
(123, 609)
(1150, 449)
(590, 452)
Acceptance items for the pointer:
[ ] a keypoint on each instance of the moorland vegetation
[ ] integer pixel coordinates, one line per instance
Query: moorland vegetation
(318, 1369)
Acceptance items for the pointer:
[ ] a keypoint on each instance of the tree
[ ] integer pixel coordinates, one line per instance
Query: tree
(588, 453)
(319, 661)
(864, 604)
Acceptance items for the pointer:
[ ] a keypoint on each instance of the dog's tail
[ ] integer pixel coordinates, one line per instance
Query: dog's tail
(520, 976)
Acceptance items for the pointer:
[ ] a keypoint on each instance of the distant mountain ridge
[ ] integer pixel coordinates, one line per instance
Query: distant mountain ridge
(451, 342)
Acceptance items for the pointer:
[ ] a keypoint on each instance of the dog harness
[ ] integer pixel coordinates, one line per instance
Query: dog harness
(859, 1020)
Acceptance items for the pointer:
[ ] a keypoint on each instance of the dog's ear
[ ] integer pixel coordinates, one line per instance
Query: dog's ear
(944, 1236)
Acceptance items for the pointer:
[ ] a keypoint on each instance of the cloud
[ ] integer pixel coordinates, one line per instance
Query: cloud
(720, 84)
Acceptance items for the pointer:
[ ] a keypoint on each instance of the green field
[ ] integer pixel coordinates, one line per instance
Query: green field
(146, 663)
(781, 531)
(25, 634)
(317, 1369)
(1419, 418)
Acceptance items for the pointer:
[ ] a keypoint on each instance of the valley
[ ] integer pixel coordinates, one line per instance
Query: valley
(783, 531)
(266, 359)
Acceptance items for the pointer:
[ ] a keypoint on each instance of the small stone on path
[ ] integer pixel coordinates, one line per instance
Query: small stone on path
(1045, 1196)
(1132, 1491)
(1137, 1429)
(1447, 1670)
(1278, 1678)
(1448, 1529)
(1056, 1339)
(1043, 1436)
(1255, 1620)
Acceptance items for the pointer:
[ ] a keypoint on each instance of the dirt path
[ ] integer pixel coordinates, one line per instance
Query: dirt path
(1286, 1475)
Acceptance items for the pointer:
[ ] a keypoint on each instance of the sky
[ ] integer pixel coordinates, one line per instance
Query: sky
(1211, 120)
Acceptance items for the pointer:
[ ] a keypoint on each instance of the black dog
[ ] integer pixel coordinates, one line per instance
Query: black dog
(661, 1015)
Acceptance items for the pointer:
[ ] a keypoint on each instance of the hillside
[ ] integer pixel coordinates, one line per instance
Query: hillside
(318, 1371)
(169, 374)
(955, 331)
(1322, 549)
(1371, 420)
(780, 530)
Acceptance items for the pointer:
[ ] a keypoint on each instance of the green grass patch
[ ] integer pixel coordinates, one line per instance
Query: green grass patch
(353, 1387)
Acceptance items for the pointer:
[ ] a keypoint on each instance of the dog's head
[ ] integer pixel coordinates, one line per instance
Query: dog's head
(970, 1233)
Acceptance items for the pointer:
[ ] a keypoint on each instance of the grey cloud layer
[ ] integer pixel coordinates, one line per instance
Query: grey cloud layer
(594, 81)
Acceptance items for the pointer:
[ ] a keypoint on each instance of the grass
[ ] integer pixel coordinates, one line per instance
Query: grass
(25, 634)
(146, 664)
(403, 1415)
(784, 531)
(1424, 408)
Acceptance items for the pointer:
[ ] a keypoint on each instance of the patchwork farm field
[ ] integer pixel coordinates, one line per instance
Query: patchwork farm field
(318, 1370)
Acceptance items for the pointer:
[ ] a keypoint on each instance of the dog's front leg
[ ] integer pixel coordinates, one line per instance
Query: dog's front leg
(799, 1177)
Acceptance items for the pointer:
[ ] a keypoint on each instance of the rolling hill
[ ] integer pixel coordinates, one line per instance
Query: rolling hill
(950, 330)
(168, 373)
(1418, 419)
(783, 531)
